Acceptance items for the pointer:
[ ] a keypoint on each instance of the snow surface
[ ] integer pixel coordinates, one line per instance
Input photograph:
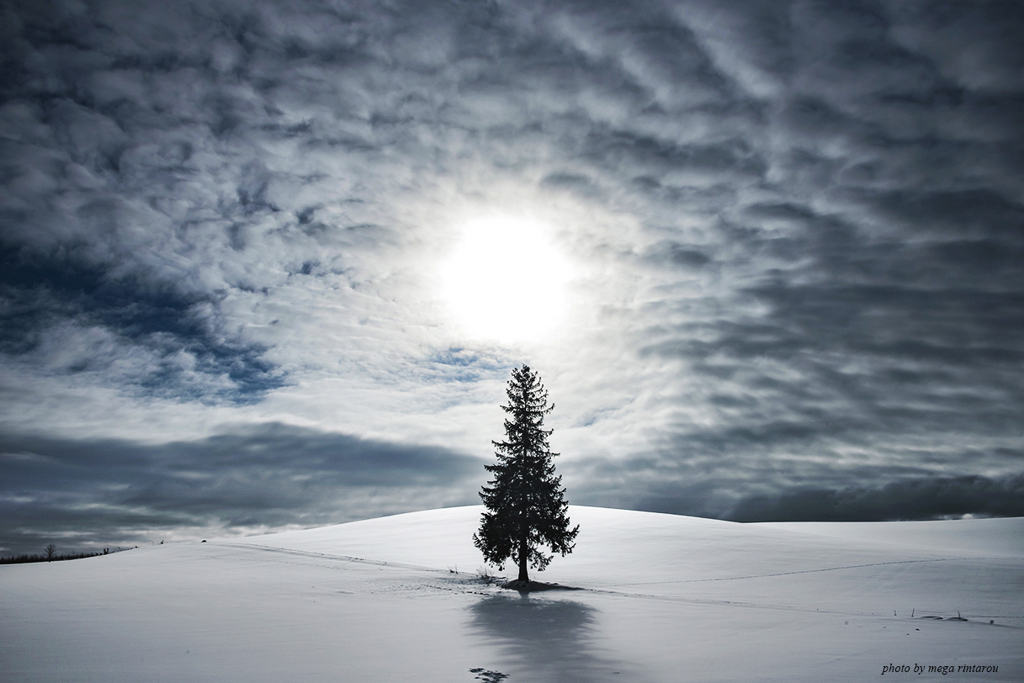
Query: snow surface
(662, 598)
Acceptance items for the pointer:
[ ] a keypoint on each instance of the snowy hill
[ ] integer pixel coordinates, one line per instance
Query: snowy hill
(661, 598)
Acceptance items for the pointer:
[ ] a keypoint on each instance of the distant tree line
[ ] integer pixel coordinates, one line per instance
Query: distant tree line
(50, 555)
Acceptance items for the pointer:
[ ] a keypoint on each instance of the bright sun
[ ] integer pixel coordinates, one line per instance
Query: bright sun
(506, 280)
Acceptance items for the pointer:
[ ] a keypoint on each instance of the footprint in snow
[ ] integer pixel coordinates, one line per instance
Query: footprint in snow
(487, 676)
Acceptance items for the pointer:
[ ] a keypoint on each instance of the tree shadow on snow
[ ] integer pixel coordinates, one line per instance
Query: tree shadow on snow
(545, 639)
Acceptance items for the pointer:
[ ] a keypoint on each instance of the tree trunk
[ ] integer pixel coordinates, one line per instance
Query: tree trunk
(524, 553)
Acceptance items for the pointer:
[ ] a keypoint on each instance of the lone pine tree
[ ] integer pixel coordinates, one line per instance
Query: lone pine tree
(525, 504)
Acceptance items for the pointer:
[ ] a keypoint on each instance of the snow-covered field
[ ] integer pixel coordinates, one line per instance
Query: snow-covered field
(662, 598)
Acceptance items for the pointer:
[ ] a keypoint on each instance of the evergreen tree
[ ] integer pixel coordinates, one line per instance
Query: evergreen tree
(524, 501)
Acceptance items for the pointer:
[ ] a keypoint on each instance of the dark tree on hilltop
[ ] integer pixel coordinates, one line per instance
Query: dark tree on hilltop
(525, 504)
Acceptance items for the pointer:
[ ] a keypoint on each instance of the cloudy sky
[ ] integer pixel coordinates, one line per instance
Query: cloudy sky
(269, 264)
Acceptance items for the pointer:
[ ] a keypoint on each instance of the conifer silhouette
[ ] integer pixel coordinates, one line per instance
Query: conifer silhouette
(525, 501)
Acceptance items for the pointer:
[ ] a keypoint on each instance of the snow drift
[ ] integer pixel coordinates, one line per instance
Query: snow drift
(660, 598)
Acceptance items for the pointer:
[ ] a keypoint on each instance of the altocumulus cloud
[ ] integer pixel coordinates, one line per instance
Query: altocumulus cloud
(796, 229)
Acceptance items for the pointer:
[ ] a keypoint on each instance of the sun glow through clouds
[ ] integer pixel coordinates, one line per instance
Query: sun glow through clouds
(506, 280)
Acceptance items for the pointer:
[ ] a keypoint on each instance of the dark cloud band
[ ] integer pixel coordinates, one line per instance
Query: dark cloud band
(115, 491)
(916, 499)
